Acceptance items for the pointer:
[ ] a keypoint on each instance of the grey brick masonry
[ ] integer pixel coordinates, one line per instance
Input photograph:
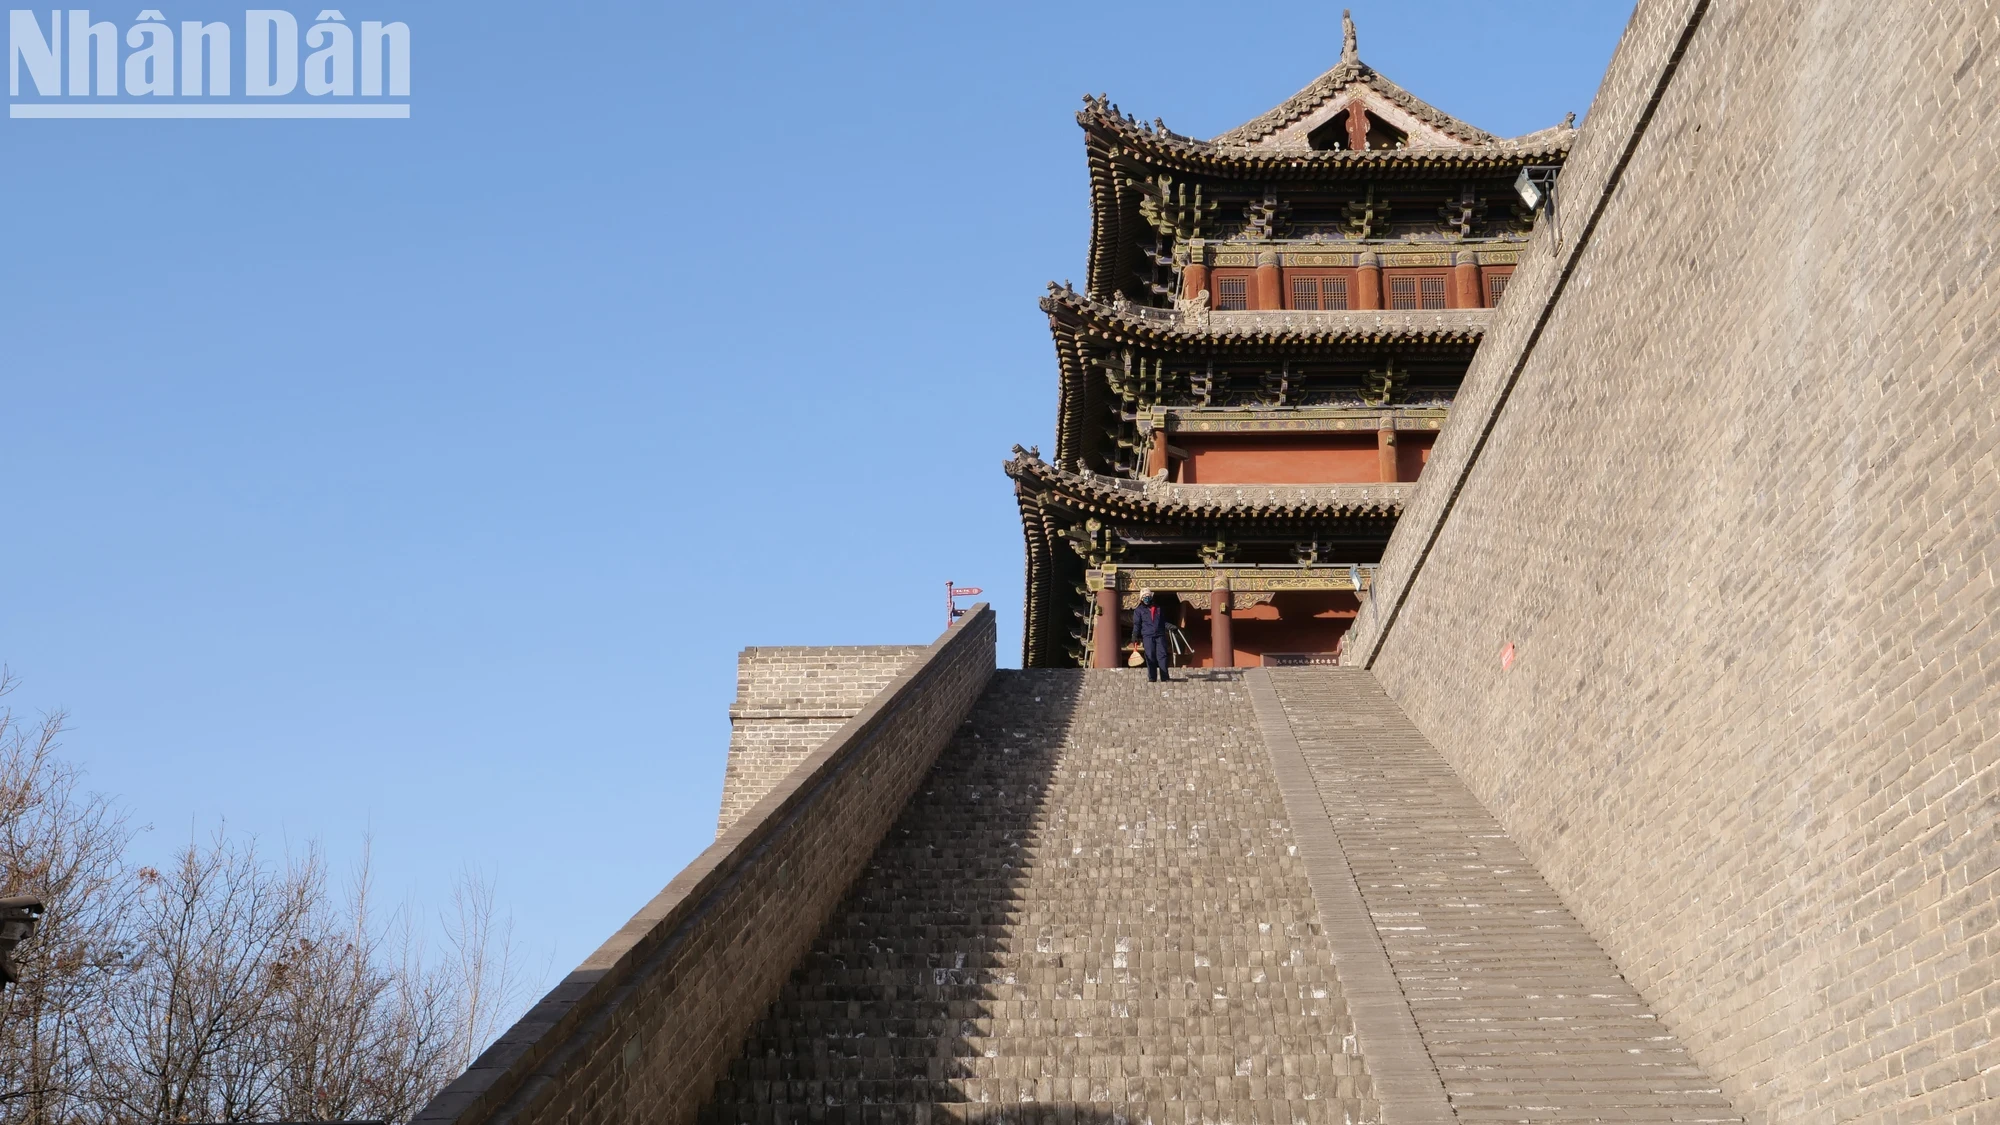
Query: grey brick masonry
(789, 700)
(1723, 482)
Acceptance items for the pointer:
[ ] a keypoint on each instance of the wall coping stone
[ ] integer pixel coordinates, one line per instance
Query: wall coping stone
(1641, 71)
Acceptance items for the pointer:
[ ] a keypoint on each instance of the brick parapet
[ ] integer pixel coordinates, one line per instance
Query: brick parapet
(1749, 728)
(644, 1027)
(789, 700)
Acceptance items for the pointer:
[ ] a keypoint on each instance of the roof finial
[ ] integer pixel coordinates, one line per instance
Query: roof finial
(1350, 51)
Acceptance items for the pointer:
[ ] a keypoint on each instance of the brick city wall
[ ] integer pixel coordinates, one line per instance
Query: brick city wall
(791, 699)
(642, 1029)
(1724, 477)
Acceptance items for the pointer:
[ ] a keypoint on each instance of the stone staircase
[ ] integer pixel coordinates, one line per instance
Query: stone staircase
(1100, 907)
(1091, 912)
(1523, 1015)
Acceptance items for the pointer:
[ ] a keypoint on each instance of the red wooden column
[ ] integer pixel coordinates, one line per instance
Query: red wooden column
(1368, 280)
(1194, 275)
(1268, 296)
(1221, 643)
(1385, 452)
(1156, 451)
(1104, 634)
(1465, 281)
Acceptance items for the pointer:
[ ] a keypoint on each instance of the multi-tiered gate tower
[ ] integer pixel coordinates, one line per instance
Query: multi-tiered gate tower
(1272, 327)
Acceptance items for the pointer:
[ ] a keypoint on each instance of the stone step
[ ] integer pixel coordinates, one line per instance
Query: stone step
(1095, 911)
(1091, 912)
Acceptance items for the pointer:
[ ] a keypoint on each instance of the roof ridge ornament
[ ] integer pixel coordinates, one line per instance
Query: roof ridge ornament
(1350, 47)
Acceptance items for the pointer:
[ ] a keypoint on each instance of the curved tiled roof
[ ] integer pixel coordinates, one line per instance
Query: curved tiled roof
(1053, 500)
(1171, 150)
(1120, 148)
(1077, 322)
(1154, 501)
(1122, 322)
(1329, 85)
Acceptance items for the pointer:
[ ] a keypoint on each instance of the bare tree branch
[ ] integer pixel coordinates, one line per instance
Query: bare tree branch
(223, 988)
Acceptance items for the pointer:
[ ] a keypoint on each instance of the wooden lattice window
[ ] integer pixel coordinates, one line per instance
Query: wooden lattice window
(1433, 292)
(1496, 287)
(1402, 292)
(1319, 293)
(1232, 293)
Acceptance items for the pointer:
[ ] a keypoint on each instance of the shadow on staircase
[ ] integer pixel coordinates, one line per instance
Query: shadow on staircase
(884, 1019)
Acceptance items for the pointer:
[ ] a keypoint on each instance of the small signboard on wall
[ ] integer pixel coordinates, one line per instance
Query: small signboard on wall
(1300, 659)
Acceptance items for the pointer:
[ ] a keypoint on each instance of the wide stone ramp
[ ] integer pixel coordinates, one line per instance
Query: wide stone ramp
(1091, 911)
(1524, 1016)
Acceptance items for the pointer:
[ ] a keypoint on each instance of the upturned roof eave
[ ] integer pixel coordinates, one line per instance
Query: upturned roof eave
(1185, 155)
(1087, 497)
(1075, 319)
(1108, 145)
(1074, 311)
(1050, 499)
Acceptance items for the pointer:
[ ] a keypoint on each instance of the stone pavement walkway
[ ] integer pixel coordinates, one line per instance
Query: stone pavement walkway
(1524, 1018)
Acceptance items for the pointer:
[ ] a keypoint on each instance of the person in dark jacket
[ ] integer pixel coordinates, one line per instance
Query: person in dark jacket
(1149, 632)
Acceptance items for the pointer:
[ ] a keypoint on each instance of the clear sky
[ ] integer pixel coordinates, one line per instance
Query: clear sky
(425, 476)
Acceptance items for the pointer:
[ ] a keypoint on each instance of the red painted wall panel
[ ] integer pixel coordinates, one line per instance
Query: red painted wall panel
(1276, 459)
(1303, 621)
(1413, 452)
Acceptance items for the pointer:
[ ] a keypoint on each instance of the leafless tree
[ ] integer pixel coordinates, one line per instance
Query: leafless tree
(426, 1030)
(224, 987)
(488, 975)
(66, 847)
(367, 1028)
(212, 933)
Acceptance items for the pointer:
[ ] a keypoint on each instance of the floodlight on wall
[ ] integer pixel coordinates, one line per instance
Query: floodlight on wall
(1536, 185)
(18, 916)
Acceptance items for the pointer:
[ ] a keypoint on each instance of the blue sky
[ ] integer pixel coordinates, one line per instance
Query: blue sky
(424, 477)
